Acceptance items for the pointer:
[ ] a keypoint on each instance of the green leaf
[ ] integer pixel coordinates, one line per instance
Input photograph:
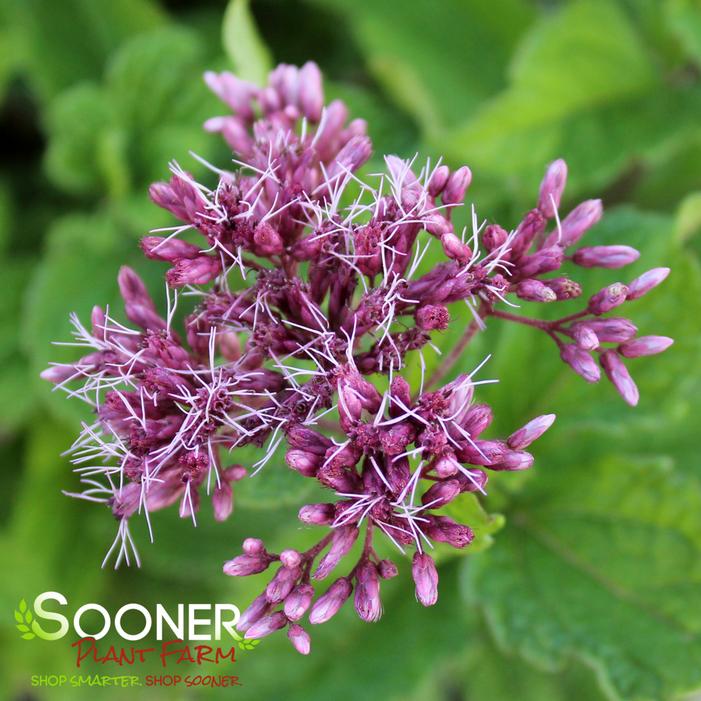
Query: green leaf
(74, 37)
(75, 120)
(528, 124)
(684, 19)
(601, 560)
(29, 636)
(242, 42)
(22, 605)
(424, 54)
(18, 617)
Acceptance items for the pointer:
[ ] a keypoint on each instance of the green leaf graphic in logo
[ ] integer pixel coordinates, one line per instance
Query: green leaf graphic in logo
(244, 644)
(24, 618)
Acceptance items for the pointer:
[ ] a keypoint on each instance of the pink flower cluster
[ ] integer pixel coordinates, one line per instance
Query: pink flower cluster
(314, 303)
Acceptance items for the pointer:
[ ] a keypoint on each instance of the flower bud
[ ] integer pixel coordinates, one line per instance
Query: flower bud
(605, 256)
(513, 460)
(531, 225)
(440, 494)
(193, 271)
(535, 291)
(328, 605)
(299, 638)
(253, 546)
(456, 187)
(647, 281)
(619, 376)
(552, 187)
(341, 542)
(222, 501)
(168, 249)
(454, 248)
(425, 575)
(529, 433)
(611, 329)
(494, 237)
(472, 480)
(244, 565)
(281, 584)
(584, 336)
(266, 625)
(298, 601)
(305, 463)
(267, 241)
(582, 218)
(607, 299)
(258, 608)
(367, 593)
(564, 288)
(290, 558)
(316, 514)
(311, 92)
(438, 180)
(581, 362)
(444, 530)
(645, 345)
(446, 466)
(543, 261)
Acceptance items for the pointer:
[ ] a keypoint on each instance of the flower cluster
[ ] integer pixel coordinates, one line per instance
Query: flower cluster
(315, 301)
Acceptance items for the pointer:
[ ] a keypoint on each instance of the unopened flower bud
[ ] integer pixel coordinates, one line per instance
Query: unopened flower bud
(607, 299)
(281, 584)
(645, 345)
(611, 329)
(438, 180)
(605, 256)
(581, 362)
(454, 248)
(513, 460)
(529, 433)
(647, 281)
(328, 605)
(300, 639)
(535, 291)
(582, 218)
(298, 601)
(552, 187)
(619, 376)
(440, 494)
(244, 565)
(494, 237)
(266, 625)
(341, 542)
(317, 514)
(456, 187)
(543, 261)
(584, 336)
(168, 249)
(564, 288)
(367, 593)
(423, 570)
(444, 530)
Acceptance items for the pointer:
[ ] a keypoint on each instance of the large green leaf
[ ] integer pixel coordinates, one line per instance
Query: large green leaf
(425, 56)
(593, 97)
(601, 561)
(61, 41)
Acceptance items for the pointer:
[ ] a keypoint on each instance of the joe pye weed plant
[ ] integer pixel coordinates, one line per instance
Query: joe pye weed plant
(319, 292)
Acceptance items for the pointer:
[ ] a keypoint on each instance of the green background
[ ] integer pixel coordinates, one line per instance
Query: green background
(591, 589)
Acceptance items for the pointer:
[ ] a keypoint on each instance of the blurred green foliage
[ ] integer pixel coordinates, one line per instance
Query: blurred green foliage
(591, 588)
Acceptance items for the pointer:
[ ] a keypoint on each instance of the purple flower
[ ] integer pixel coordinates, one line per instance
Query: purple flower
(308, 297)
